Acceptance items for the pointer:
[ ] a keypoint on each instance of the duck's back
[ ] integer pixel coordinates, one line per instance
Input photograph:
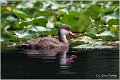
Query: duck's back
(46, 42)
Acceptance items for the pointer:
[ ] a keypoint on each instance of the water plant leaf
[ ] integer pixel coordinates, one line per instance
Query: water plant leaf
(78, 42)
(113, 22)
(74, 14)
(84, 21)
(21, 35)
(89, 46)
(93, 11)
(107, 35)
(100, 22)
(25, 5)
(11, 18)
(50, 25)
(114, 28)
(36, 21)
(40, 21)
(117, 11)
(20, 14)
(40, 28)
(46, 13)
(69, 20)
(109, 10)
(8, 36)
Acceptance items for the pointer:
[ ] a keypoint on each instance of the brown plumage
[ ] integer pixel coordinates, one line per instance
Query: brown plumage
(49, 42)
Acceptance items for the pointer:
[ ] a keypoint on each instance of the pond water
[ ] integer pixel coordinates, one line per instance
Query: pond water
(60, 64)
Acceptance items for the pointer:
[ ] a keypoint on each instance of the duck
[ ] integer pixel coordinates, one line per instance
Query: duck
(50, 42)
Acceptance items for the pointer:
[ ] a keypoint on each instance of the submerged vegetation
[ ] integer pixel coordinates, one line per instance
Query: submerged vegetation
(93, 21)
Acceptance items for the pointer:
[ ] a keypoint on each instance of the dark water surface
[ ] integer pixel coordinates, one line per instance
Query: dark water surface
(64, 64)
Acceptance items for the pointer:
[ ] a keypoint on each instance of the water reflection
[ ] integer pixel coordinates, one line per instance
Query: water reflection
(61, 63)
(64, 60)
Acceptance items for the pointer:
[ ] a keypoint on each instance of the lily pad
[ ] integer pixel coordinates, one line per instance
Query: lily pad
(114, 28)
(89, 46)
(8, 36)
(69, 20)
(36, 21)
(113, 22)
(107, 35)
(20, 14)
(50, 25)
(25, 5)
(74, 14)
(11, 18)
(93, 11)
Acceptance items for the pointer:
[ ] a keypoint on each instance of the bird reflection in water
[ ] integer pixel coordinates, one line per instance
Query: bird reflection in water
(63, 56)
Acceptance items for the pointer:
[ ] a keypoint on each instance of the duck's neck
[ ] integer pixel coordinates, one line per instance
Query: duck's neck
(63, 38)
(62, 35)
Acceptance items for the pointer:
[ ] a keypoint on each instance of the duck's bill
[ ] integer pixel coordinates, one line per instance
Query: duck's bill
(72, 34)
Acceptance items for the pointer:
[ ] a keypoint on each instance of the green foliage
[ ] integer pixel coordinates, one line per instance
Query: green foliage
(107, 35)
(88, 46)
(99, 20)
(20, 14)
(114, 28)
(93, 11)
(113, 22)
(69, 21)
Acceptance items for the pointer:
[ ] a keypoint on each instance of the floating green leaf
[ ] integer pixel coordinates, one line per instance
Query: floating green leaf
(89, 46)
(25, 5)
(11, 18)
(93, 11)
(79, 42)
(40, 21)
(69, 20)
(117, 11)
(84, 21)
(100, 22)
(74, 14)
(113, 22)
(36, 21)
(8, 36)
(20, 14)
(109, 10)
(107, 35)
(114, 28)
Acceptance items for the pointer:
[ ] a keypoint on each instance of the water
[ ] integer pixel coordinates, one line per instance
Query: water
(60, 64)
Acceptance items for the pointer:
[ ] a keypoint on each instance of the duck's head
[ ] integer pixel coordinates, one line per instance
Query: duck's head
(63, 31)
